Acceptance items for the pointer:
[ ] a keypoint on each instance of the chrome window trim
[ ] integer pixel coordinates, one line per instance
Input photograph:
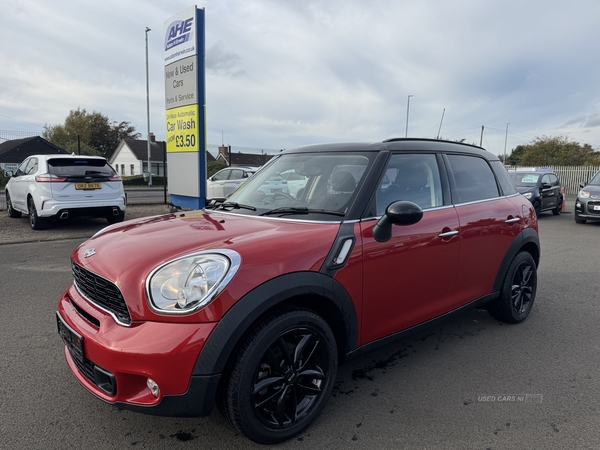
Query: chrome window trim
(435, 208)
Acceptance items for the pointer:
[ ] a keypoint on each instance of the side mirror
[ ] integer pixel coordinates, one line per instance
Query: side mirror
(8, 173)
(546, 185)
(581, 185)
(398, 213)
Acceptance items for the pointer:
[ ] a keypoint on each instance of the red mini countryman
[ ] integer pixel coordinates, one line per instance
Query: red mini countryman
(253, 304)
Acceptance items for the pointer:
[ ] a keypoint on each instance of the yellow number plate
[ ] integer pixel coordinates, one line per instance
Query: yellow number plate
(88, 186)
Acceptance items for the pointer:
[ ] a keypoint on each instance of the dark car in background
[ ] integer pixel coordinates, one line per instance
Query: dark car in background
(587, 205)
(540, 186)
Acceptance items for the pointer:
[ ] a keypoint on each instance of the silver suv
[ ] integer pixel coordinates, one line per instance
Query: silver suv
(51, 187)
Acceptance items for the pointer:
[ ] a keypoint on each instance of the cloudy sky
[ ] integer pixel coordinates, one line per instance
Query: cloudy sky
(282, 73)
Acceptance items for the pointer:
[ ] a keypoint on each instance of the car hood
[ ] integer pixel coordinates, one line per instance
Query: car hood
(525, 189)
(593, 190)
(128, 252)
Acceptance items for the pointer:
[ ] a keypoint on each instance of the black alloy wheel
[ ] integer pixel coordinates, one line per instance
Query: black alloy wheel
(556, 211)
(538, 207)
(36, 222)
(282, 377)
(518, 290)
(11, 211)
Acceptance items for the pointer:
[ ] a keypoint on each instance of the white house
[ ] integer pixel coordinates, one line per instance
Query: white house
(131, 157)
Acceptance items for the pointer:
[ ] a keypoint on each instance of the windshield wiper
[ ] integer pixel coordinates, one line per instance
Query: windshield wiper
(301, 210)
(235, 205)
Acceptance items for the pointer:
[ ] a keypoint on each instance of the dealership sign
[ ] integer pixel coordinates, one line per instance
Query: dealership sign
(185, 118)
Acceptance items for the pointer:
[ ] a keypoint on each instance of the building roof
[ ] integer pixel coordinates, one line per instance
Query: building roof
(16, 150)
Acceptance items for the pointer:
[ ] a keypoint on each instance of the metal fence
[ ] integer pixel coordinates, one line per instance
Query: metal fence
(571, 176)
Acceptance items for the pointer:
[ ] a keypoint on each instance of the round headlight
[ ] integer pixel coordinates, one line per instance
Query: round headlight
(190, 283)
(583, 194)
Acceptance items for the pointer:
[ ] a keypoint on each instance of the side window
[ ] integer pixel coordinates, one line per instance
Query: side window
(503, 178)
(411, 177)
(546, 180)
(32, 167)
(22, 167)
(236, 174)
(554, 180)
(223, 175)
(473, 179)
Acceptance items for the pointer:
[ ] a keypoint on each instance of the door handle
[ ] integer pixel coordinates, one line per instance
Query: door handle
(513, 220)
(448, 234)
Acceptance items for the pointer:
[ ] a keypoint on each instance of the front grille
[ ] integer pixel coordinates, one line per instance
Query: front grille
(590, 207)
(102, 293)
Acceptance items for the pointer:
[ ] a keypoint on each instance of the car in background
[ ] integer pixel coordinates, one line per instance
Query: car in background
(541, 186)
(587, 204)
(254, 303)
(51, 187)
(226, 181)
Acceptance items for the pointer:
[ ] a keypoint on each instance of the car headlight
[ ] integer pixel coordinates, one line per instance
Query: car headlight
(187, 284)
(583, 194)
(527, 195)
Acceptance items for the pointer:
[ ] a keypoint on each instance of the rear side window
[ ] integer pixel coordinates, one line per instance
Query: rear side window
(473, 179)
(503, 178)
(73, 167)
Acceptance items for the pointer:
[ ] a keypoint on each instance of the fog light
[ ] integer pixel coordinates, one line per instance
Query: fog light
(153, 387)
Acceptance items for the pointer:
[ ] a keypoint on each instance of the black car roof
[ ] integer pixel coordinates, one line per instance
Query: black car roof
(397, 144)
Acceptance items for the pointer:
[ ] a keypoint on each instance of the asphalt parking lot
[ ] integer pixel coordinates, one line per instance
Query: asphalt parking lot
(472, 383)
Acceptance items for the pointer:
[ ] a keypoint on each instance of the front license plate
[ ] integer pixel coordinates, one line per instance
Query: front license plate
(72, 339)
(87, 186)
(596, 207)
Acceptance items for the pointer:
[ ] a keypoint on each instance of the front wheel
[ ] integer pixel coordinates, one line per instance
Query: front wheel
(12, 212)
(518, 290)
(578, 220)
(282, 377)
(538, 207)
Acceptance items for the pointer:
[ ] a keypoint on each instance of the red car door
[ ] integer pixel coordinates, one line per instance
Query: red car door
(411, 277)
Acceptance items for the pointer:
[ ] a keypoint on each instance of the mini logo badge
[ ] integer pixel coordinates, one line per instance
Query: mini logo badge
(89, 252)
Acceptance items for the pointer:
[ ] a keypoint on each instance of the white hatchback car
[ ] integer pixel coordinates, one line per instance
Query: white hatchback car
(225, 181)
(60, 186)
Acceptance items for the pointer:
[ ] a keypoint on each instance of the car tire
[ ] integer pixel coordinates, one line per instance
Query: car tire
(282, 376)
(36, 222)
(116, 219)
(12, 212)
(556, 211)
(518, 290)
(578, 220)
(538, 207)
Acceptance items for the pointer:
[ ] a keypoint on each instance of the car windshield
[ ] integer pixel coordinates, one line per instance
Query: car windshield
(306, 186)
(75, 167)
(595, 180)
(521, 179)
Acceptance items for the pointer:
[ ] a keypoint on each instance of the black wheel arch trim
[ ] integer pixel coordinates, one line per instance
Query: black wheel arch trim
(249, 309)
(527, 237)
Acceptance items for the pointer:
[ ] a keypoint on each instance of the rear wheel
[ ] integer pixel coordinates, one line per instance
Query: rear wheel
(556, 211)
(282, 377)
(518, 290)
(37, 223)
(12, 212)
(115, 219)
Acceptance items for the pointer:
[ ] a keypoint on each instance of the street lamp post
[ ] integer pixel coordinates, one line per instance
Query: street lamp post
(505, 139)
(407, 111)
(148, 111)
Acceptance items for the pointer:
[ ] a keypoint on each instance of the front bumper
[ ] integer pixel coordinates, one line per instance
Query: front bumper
(116, 361)
(588, 209)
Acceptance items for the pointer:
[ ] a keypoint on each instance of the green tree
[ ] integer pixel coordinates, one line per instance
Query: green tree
(551, 151)
(98, 135)
(213, 167)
